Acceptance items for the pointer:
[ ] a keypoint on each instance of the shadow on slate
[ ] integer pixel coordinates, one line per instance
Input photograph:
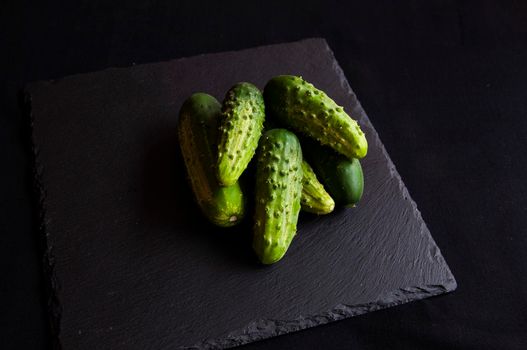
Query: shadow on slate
(134, 264)
(164, 187)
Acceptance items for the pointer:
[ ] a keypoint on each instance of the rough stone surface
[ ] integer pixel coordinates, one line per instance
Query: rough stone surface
(132, 264)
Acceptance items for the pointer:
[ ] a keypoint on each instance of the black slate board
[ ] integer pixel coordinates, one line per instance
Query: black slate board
(132, 263)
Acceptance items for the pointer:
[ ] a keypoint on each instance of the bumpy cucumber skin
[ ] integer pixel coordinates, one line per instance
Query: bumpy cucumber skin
(314, 197)
(278, 191)
(197, 132)
(342, 177)
(243, 115)
(299, 105)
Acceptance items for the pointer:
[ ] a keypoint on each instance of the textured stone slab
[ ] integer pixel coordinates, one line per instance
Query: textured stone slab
(133, 264)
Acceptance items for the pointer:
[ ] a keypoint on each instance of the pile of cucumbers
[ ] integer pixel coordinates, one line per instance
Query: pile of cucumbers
(313, 173)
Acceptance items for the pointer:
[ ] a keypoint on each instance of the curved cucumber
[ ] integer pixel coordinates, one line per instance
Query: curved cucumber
(243, 114)
(314, 197)
(197, 132)
(298, 104)
(342, 177)
(278, 190)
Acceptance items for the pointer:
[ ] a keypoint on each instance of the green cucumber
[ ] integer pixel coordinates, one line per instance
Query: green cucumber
(306, 109)
(278, 190)
(243, 114)
(197, 132)
(314, 197)
(342, 177)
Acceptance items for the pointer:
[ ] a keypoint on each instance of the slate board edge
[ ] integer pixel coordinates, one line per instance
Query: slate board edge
(264, 329)
(34, 84)
(257, 330)
(52, 284)
(364, 120)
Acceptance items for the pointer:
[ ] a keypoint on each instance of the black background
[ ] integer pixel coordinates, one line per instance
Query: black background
(443, 82)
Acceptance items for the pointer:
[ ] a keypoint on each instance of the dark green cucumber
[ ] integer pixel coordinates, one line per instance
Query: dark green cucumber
(314, 197)
(342, 177)
(197, 132)
(243, 114)
(278, 190)
(299, 105)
